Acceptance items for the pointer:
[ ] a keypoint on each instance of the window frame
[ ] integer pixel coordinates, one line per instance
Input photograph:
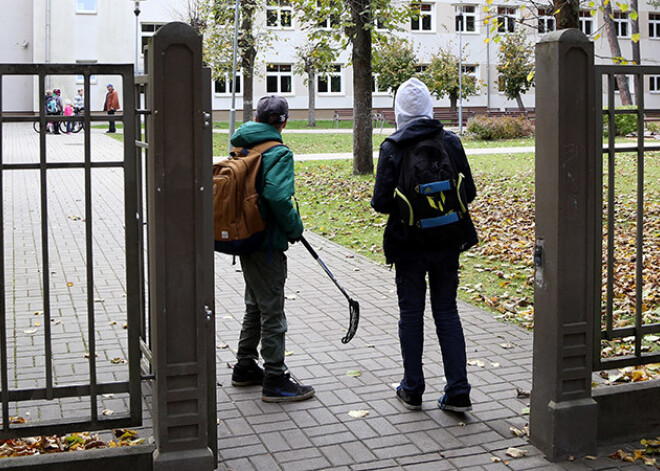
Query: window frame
(227, 85)
(279, 9)
(279, 74)
(145, 35)
(654, 88)
(327, 77)
(654, 25)
(466, 14)
(510, 15)
(585, 17)
(473, 73)
(420, 21)
(375, 90)
(544, 19)
(87, 11)
(621, 22)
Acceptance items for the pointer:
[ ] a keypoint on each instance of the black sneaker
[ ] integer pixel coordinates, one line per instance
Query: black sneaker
(409, 400)
(283, 389)
(456, 404)
(247, 375)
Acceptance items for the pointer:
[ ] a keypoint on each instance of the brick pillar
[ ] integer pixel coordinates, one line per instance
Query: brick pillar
(180, 250)
(564, 417)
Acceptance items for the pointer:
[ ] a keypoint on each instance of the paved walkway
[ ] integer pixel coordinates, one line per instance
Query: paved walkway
(319, 434)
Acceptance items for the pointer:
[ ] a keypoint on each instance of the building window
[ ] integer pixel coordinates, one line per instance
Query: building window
(80, 80)
(586, 22)
(85, 6)
(628, 81)
(506, 19)
(654, 25)
(471, 71)
(330, 82)
(654, 83)
(622, 24)
(148, 30)
(421, 68)
(423, 20)
(546, 21)
(330, 21)
(222, 86)
(378, 89)
(469, 18)
(379, 21)
(279, 78)
(279, 14)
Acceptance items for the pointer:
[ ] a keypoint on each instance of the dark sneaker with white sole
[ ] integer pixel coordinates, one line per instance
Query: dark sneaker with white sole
(247, 375)
(283, 389)
(459, 403)
(409, 400)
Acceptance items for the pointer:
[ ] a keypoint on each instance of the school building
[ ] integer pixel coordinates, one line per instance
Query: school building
(109, 31)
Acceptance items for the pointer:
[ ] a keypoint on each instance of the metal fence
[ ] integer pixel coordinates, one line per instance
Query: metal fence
(621, 214)
(89, 386)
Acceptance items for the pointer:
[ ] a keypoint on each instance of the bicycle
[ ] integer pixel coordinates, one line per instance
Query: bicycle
(50, 126)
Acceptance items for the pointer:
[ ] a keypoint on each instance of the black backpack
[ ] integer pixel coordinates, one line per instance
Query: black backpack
(430, 195)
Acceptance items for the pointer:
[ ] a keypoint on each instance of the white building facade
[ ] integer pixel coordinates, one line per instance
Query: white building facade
(106, 31)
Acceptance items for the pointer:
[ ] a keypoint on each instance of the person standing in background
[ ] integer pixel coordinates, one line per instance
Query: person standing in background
(110, 106)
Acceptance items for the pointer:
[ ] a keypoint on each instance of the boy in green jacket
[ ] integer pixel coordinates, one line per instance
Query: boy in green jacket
(265, 270)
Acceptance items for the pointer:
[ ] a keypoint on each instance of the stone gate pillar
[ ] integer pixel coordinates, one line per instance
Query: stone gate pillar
(564, 417)
(180, 218)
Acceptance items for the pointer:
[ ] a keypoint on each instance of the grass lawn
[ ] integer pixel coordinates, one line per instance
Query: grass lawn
(497, 275)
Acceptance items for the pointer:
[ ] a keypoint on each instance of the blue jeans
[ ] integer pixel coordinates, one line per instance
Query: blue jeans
(442, 269)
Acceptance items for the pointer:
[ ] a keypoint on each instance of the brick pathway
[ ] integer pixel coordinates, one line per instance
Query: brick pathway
(316, 434)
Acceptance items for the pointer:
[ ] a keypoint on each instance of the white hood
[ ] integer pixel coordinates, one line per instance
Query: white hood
(413, 101)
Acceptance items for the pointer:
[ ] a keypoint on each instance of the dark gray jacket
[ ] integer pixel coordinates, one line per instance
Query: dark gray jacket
(392, 151)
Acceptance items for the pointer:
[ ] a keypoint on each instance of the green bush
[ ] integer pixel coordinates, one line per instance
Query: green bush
(653, 127)
(624, 124)
(501, 127)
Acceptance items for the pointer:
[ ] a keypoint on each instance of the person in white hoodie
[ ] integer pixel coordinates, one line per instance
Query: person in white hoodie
(413, 109)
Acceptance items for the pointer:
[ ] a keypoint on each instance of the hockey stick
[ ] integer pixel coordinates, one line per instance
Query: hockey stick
(354, 307)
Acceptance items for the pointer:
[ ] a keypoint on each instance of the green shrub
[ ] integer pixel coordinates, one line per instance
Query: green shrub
(653, 127)
(501, 127)
(624, 124)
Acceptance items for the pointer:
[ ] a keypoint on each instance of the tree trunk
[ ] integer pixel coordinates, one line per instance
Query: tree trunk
(568, 14)
(311, 90)
(615, 49)
(636, 52)
(363, 156)
(249, 52)
(521, 105)
(453, 98)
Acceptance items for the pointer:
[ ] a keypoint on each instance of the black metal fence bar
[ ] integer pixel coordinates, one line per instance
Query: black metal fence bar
(134, 272)
(638, 330)
(45, 250)
(4, 380)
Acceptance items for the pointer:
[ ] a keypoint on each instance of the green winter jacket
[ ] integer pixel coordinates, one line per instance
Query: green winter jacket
(283, 221)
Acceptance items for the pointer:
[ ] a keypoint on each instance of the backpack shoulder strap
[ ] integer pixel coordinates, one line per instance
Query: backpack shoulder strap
(265, 146)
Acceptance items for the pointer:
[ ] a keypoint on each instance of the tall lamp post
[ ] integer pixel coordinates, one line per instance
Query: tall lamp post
(137, 32)
(232, 111)
(459, 19)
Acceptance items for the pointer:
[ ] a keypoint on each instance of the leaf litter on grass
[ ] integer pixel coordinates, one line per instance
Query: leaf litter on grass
(498, 274)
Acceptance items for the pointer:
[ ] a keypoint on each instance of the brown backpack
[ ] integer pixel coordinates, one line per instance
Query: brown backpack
(239, 228)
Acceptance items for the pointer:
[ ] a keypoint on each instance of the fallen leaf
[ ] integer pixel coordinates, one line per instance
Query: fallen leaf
(514, 452)
(107, 412)
(524, 410)
(223, 346)
(125, 326)
(288, 353)
(495, 459)
(30, 331)
(522, 393)
(507, 345)
(478, 363)
(290, 297)
(358, 414)
(495, 365)
(113, 322)
(354, 373)
(69, 284)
